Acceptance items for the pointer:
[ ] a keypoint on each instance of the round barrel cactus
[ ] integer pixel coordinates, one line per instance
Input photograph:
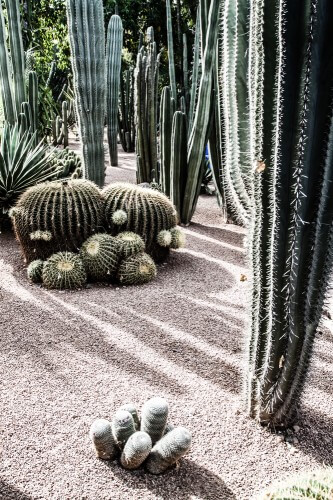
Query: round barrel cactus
(64, 270)
(100, 255)
(56, 216)
(35, 271)
(136, 270)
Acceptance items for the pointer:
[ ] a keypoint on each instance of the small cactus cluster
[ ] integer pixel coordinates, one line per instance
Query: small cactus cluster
(66, 163)
(149, 440)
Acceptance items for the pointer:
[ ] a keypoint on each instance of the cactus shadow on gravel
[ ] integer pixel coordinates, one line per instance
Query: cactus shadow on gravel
(9, 492)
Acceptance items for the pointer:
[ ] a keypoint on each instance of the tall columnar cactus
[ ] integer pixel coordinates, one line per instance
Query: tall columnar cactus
(102, 439)
(178, 173)
(68, 212)
(168, 108)
(113, 58)
(172, 72)
(168, 450)
(33, 101)
(154, 416)
(7, 94)
(87, 41)
(290, 81)
(126, 120)
(122, 427)
(136, 450)
(146, 93)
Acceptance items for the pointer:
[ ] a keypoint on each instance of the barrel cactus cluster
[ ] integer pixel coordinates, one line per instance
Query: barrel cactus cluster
(141, 440)
(70, 232)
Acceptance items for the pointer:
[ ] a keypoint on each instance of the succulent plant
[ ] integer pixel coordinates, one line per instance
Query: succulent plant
(100, 255)
(164, 238)
(130, 243)
(178, 238)
(148, 211)
(136, 269)
(122, 427)
(69, 210)
(133, 411)
(168, 450)
(64, 270)
(316, 485)
(154, 417)
(136, 450)
(66, 163)
(35, 271)
(102, 438)
(169, 427)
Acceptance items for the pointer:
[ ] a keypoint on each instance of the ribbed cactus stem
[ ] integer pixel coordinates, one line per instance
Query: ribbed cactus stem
(168, 450)
(130, 407)
(122, 427)
(185, 70)
(172, 73)
(64, 109)
(102, 439)
(113, 58)
(87, 41)
(136, 450)
(166, 117)
(195, 72)
(178, 160)
(154, 416)
(7, 95)
(33, 100)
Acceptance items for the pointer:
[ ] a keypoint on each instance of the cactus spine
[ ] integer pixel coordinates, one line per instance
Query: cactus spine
(86, 34)
(113, 57)
(154, 417)
(102, 439)
(168, 450)
(136, 450)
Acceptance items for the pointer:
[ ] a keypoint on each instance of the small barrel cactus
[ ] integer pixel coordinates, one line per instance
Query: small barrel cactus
(168, 450)
(164, 238)
(122, 427)
(132, 410)
(100, 255)
(136, 270)
(102, 438)
(316, 485)
(154, 417)
(178, 238)
(67, 211)
(35, 271)
(148, 212)
(136, 450)
(64, 270)
(131, 243)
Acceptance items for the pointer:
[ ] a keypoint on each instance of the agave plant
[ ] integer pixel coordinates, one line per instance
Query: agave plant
(22, 164)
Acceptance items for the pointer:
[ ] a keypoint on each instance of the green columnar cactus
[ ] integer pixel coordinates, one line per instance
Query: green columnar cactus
(102, 439)
(291, 237)
(122, 427)
(64, 114)
(35, 271)
(86, 34)
(154, 416)
(136, 269)
(316, 485)
(133, 411)
(167, 110)
(70, 210)
(7, 94)
(148, 211)
(126, 120)
(178, 160)
(195, 72)
(172, 73)
(168, 450)
(130, 243)
(113, 58)
(33, 101)
(100, 255)
(64, 270)
(146, 87)
(136, 450)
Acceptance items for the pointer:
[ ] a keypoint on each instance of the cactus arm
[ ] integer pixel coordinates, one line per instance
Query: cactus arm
(185, 70)
(33, 101)
(178, 159)
(65, 122)
(172, 74)
(113, 52)
(7, 96)
(195, 72)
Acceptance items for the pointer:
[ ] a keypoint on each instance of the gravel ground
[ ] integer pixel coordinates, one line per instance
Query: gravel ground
(67, 358)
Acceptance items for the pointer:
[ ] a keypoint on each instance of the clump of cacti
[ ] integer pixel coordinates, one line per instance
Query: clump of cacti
(168, 450)
(151, 441)
(136, 269)
(136, 450)
(70, 211)
(100, 255)
(130, 243)
(66, 163)
(123, 427)
(154, 417)
(64, 270)
(102, 438)
(35, 271)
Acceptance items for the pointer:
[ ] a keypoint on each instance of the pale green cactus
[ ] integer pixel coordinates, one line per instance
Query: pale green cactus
(168, 450)
(102, 439)
(133, 411)
(136, 450)
(122, 427)
(154, 417)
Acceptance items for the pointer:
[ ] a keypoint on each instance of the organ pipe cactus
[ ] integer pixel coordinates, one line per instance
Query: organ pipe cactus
(64, 270)
(86, 34)
(154, 417)
(126, 120)
(168, 450)
(113, 57)
(102, 439)
(290, 81)
(136, 450)
(33, 101)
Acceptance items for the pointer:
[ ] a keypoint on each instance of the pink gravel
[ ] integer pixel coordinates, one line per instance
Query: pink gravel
(67, 358)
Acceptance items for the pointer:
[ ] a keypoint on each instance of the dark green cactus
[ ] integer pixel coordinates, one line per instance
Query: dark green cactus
(35, 271)
(87, 41)
(130, 243)
(64, 270)
(166, 119)
(136, 450)
(178, 171)
(70, 211)
(7, 93)
(126, 119)
(122, 427)
(172, 72)
(100, 255)
(136, 269)
(168, 450)
(133, 411)
(33, 102)
(154, 416)
(113, 58)
(102, 439)
(316, 485)
(148, 211)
